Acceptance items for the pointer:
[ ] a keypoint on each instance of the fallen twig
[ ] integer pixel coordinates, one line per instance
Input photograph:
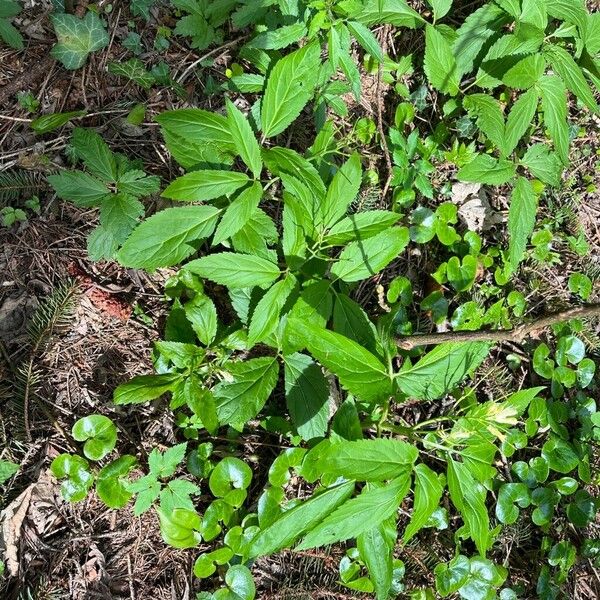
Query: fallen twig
(516, 334)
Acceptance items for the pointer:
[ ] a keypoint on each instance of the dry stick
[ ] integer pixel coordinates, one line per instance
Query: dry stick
(517, 334)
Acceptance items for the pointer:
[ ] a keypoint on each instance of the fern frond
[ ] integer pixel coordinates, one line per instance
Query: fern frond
(18, 184)
(51, 316)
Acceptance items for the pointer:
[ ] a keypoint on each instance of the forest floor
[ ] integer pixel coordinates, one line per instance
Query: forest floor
(84, 551)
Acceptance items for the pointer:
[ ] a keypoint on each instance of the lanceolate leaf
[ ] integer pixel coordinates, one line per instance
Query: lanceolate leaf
(307, 395)
(357, 369)
(289, 87)
(366, 39)
(235, 270)
(238, 213)
(373, 506)
(486, 169)
(554, 105)
(376, 547)
(168, 237)
(364, 258)
(428, 493)
(490, 118)
(468, 495)
(241, 399)
(145, 387)
(342, 191)
(205, 185)
(521, 219)
(361, 226)
(441, 369)
(244, 139)
(369, 460)
(394, 12)
(570, 72)
(520, 119)
(440, 64)
(295, 522)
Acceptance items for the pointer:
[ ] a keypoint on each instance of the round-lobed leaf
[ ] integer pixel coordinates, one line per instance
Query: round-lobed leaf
(99, 434)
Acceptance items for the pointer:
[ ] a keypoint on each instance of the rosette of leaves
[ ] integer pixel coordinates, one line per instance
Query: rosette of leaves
(111, 182)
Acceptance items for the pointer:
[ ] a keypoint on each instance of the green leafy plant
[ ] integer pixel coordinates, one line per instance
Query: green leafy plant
(8, 32)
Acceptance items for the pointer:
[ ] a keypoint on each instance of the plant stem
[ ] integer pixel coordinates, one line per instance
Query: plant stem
(516, 334)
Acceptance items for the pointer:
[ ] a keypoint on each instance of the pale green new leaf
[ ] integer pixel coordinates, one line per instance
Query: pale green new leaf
(440, 8)
(244, 139)
(307, 395)
(241, 399)
(359, 371)
(205, 185)
(168, 237)
(369, 460)
(520, 119)
(360, 514)
(521, 220)
(428, 493)
(77, 38)
(364, 258)
(289, 87)
(235, 270)
(440, 370)
(554, 105)
(439, 63)
(296, 521)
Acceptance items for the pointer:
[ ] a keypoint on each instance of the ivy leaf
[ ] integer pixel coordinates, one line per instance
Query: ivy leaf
(441, 369)
(359, 371)
(303, 517)
(205, 185)
(440, 64)
(521, 219)
(373, 506)
(362, 259)
(244, 139)
(180, 527)
(235, 270)
(369, 460)
(428, 493)
(134, 70)
(289, 87)
(99, 434)
(243, 396)
(307, 395)
(168, 237)
(77, 38)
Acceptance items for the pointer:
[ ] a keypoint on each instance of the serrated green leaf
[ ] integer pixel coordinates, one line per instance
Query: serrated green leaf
(244, 139)
(441, 369)
(358, 370)
(364, 258)
(307, 395)
(369, 460)
(289, 87)
(235, 270)
(360, 514)
(78, 187)
(279, 38)
(554, 105)
(238, 213)
(168, 237)
(490, 118)
(342, 190)
(251, 384)
(144, 388)
(543, 164)
(360, 226)
(486, 169)
(205, 185)
(439, 63)
(521, 220)
(428, 493)
(366, 39)
(95, 153)
(394, 12)
(295, 522)
(520, 119)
